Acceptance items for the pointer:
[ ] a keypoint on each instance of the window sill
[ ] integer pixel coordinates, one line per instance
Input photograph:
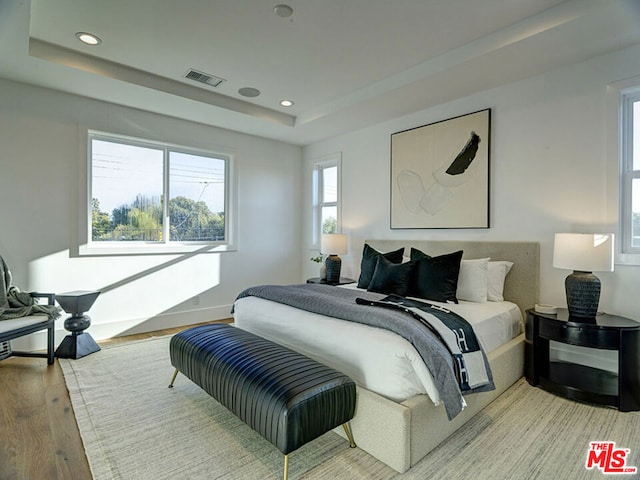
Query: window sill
(96, 249)
(629, 259)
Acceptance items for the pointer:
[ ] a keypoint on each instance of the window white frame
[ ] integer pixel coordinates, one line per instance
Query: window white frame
(328, 161)
(89, 247)
(628, 98)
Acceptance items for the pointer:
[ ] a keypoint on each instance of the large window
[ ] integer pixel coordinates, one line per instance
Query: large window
(630, 173)
(143, 193)
(326, 180)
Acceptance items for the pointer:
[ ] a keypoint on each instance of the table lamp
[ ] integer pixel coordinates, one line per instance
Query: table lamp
(333, 244)
(583, 253)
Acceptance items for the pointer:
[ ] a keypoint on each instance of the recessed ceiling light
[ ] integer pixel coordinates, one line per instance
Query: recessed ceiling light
(283, 10)
(249, 92)
(88, 38)
(286, 103)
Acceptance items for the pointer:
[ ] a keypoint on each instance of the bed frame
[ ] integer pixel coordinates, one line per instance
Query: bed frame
(400, 434)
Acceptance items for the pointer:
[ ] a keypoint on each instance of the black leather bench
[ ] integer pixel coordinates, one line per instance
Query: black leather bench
(287, 397)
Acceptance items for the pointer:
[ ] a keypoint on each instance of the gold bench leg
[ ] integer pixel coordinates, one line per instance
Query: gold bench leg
(286, 467)
(352, 444)
(173, 379)
(347, 430)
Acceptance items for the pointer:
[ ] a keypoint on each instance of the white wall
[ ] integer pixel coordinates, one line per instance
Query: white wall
(552, 170)
(42, 156)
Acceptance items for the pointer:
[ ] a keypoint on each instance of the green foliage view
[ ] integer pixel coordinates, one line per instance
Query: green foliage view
(330, 225)
(141, 220)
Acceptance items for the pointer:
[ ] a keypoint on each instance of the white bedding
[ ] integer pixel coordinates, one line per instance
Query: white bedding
(375, 359)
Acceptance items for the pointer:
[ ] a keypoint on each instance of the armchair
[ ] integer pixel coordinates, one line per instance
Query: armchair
(21, 315)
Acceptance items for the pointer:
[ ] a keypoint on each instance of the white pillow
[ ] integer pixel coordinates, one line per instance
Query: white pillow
(473, 280)
(497, 273)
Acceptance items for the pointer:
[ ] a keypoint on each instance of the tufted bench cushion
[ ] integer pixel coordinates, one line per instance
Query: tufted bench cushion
(285, 396)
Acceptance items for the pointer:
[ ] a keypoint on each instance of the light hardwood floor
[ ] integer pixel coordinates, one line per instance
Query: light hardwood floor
(39, 437)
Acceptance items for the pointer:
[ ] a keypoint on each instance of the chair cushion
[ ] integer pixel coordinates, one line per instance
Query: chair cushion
(21, 322)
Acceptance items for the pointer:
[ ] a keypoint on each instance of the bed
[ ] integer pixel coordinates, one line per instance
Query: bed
(399, 416)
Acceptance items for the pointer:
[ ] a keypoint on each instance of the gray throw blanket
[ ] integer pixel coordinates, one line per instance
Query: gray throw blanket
(341, 303)
(15, 304)
(471, 364)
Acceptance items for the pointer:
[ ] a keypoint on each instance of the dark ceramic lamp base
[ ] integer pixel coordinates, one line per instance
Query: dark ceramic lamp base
(583, 294)
(334, 264)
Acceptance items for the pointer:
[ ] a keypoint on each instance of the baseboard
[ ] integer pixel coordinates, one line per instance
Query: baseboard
(103, 331)
(160, 322)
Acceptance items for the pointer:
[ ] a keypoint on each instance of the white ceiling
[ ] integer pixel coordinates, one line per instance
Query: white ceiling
(346, 64)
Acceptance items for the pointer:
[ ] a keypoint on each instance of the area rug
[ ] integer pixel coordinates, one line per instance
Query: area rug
(134, 427)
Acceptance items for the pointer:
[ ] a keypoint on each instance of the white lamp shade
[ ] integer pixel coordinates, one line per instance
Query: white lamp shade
(333, 244)
(585, 252)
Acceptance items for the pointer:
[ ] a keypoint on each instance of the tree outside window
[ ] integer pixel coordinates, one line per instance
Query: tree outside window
(130, 181)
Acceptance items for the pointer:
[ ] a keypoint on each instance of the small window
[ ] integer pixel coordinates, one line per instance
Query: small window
(630, 172)
(326, 178)
(145, 193)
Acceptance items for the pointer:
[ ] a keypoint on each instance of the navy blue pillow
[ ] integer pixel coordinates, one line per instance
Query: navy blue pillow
(391, 278)
(435, 278)
(370, 260)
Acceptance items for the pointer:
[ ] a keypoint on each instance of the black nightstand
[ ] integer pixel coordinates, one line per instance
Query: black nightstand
(343, 281)
(580, 382)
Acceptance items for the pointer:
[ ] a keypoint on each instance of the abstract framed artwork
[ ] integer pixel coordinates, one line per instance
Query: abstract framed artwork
(440, 174)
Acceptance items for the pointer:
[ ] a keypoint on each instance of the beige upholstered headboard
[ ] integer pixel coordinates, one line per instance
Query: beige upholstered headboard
(522, 283)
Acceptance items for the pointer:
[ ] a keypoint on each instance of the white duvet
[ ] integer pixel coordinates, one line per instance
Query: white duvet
(375, 359)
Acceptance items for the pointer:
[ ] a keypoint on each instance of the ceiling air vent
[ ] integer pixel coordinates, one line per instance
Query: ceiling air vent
(205, 78)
